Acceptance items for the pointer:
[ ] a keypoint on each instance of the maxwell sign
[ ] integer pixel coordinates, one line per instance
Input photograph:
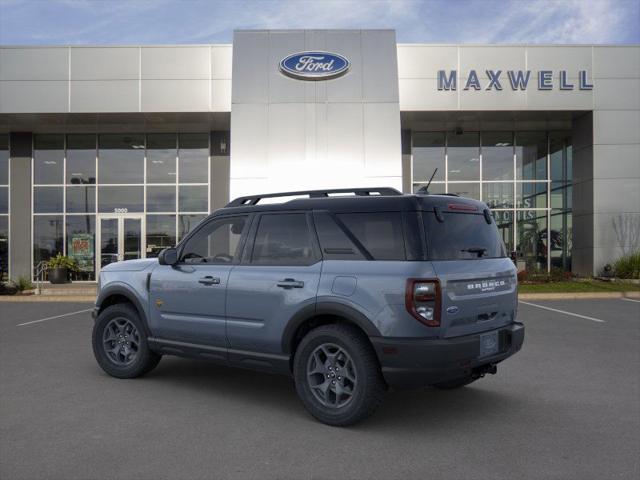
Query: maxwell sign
(516, 79)
(314, 65)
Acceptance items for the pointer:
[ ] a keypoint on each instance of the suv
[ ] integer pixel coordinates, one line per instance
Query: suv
(351, 292)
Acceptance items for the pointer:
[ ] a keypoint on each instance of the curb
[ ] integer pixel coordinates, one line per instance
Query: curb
(577, 295)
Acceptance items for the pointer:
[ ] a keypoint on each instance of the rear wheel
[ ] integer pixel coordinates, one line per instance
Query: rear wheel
(120, 343)
(337, 375)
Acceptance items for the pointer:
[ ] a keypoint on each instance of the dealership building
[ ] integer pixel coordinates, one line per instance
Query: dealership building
(115, 152)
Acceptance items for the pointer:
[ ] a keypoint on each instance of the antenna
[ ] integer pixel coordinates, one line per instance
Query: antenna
(425, 189)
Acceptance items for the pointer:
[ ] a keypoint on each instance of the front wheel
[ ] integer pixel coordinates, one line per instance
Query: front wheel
(120, 343)
(337, 375)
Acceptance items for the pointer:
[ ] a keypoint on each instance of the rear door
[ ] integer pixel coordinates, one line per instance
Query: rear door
(278, 276)
(478, 281)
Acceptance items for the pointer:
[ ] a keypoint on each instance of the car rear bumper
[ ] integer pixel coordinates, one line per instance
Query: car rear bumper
(412, 363)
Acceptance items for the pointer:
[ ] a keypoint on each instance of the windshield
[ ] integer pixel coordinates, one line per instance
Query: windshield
(462, 236)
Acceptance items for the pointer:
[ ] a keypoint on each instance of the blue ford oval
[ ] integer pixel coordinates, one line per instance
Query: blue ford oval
(314, 65)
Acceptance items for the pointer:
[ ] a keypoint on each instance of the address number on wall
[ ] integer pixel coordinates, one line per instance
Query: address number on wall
(120, 210)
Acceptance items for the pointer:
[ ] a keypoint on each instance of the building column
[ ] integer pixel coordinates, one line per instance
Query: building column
(220, 170)
(20, 153)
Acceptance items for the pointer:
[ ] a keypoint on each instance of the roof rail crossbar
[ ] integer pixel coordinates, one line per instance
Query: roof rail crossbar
(251, 200)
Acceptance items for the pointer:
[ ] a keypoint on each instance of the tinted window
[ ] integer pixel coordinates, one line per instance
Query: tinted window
(121, 159)
(334, 242)
(81, 159)
(48, 159)
(462, 236)
(379, 233)
(217, 242)
(283, 240)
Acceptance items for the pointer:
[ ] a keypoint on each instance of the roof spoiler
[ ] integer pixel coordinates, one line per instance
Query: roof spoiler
(251, 200)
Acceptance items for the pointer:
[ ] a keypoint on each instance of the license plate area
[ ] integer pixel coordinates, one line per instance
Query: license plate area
(489, 344)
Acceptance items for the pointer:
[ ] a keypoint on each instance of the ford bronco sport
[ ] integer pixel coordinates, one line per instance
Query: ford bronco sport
(350, 292)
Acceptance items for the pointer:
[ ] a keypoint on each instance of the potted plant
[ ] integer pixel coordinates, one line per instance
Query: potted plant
(59, 268)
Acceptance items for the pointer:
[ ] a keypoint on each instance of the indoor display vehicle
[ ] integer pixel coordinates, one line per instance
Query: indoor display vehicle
(351, 292)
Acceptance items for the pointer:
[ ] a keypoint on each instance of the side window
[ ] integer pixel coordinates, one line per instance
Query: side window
(217, 242)
(380, 233)
(334, 242)
(283, 239)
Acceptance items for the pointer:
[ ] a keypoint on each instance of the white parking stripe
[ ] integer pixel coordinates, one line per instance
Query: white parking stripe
(563, 311)
(53, 318)
(630, 300)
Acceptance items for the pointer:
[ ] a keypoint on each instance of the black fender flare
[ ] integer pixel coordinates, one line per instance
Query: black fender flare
(334, 308)
(122, 290)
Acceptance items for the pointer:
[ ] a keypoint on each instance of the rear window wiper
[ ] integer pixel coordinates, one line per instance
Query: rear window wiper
(478, 250)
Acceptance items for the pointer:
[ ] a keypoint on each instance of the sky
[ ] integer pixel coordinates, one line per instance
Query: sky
(56, 22)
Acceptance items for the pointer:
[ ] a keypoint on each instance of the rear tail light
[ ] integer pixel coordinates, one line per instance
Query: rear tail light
(423, 299)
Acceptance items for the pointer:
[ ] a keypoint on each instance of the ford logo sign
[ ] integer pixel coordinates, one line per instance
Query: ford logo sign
(314, 65)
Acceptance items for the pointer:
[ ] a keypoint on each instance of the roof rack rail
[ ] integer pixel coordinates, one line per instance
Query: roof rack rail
(251, 200)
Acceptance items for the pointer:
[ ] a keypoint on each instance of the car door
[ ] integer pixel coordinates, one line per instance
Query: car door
(187, 300)
(278, 276)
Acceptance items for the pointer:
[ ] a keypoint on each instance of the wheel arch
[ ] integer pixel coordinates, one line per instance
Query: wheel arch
(118, 294)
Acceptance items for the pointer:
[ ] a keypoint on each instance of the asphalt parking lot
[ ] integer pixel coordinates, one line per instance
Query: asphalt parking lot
(567, 406)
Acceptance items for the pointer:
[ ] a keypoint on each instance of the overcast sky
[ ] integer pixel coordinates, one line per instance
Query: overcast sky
(46, 22)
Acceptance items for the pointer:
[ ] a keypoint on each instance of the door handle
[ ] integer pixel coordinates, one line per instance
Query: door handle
(209, 280)
(290, 283)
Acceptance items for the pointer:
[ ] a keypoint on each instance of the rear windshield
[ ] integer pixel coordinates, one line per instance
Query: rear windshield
(462, 236)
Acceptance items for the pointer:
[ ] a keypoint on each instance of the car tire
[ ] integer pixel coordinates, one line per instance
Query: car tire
(357, 390)
(453, 384)
(120, 343)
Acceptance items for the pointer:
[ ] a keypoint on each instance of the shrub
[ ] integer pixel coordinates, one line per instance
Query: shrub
(628, 266)
(23, 283)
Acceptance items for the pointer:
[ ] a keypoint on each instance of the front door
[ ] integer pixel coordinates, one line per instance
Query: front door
(120, 238)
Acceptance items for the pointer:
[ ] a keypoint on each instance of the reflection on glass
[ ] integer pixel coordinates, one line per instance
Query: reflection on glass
(132, 239)
(193, 158)
(120, 199)
(186, 223)
(47, 237)
(4, 247)
(463, 156)
(161, 233)
(498, 195)
(561, 195)
(531, 195)
(81, 245)
(193, 198)
(48, 159)
(434, 188)
(47, 199)
(108, 241)
(497, 156)
(428, 154)
(161, 199)
(504, 222)
(121, 158)
(161, 158)
(561, 239)
(532, 239)
(81, 199)
(4, 199)
(469, 190)
(531, 155)
(560, 156)
(4, 159)
(81, 159)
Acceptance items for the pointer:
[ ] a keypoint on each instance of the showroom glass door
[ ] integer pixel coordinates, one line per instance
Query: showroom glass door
(120, 238)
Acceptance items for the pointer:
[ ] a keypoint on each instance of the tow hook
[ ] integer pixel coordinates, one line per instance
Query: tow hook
(483, 370)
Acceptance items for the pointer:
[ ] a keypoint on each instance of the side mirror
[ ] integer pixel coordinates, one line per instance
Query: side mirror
(168, 256)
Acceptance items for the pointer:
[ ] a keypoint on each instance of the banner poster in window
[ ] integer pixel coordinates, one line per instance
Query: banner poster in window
(81, 249)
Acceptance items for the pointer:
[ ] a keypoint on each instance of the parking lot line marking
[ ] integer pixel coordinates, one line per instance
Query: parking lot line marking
(564, 311)
(630, 300)
(53, 318)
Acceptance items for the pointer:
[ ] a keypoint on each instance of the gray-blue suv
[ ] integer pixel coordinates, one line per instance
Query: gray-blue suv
(350, 292)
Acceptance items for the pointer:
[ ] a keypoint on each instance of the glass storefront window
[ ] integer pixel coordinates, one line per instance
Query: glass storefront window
(186, 223)
(161, 233)
(81, 199)
(47, 200)
(121, 159)
(498, 194)
(561, 239)
(120, 199)
(193, 198)
(504, 222)
(497, 155)
(161, 158)
(428, 154)
(470, 190)
(436, 188)
(193, 158)
(532, 239)
(48, 159)
(81, 159)
(4, 159)
(531, 195)
(4, 200)
(531, 155)
(463, 156)
(81, 243)
(4, 247)
(161, 199)
(47, 237)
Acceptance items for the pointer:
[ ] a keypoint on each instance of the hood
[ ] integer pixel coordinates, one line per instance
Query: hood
(131, 265)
